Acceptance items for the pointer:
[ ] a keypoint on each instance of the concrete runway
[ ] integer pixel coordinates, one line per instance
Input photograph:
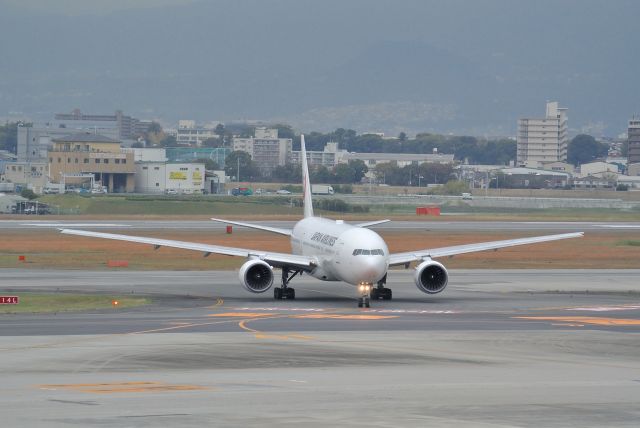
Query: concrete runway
(497, 348)
(474, 226)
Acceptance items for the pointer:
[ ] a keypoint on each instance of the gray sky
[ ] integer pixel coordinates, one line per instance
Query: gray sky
(415, 65)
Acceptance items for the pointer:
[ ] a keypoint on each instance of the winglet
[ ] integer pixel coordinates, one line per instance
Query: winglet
(306, 183)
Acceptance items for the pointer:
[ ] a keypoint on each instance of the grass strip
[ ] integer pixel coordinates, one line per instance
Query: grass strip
(64, 302)
(628, 243)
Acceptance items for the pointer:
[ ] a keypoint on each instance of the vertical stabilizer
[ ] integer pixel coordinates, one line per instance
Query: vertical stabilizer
(306, 184)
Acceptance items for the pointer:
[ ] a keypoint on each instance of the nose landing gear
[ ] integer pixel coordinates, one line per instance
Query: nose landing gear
(381, 292)
(365, 290)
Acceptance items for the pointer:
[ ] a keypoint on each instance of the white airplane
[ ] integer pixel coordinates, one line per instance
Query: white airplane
(331, 250)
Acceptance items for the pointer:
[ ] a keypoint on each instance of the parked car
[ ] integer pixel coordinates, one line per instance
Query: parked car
(242, 191)
(283, 192)
(171, 192)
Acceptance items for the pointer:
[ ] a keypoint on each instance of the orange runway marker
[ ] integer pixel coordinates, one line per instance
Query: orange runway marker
(243, 314)
(345, 317)
(586, 320)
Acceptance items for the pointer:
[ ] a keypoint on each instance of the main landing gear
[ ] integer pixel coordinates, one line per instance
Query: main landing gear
(286, 292)
(381, 292)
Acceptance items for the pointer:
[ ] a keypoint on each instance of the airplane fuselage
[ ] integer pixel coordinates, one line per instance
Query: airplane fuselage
(355, 255)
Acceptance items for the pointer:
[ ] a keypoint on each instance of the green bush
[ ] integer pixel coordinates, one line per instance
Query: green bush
(28, 193)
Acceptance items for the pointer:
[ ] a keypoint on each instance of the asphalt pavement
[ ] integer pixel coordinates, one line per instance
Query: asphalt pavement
(495, 349)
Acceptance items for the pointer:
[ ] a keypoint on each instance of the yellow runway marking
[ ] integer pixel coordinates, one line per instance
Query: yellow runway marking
(219, 302)
(586, 320)
(243, 314)
(261, 335)
(119, 387)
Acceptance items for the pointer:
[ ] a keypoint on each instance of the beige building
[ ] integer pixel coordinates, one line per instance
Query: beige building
(598, 169)
(633, 169)
(28, 175)
(544, 139)
(79, 155)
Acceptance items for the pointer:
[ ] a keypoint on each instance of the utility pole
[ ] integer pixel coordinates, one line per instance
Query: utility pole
(238, 169)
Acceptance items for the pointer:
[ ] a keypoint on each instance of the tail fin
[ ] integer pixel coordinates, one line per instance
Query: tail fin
(306, 184)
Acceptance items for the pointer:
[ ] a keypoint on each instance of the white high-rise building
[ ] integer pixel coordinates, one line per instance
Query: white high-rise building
(543, 140)
(266, 149)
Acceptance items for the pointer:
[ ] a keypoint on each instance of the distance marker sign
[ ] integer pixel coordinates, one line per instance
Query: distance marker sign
(9, 300)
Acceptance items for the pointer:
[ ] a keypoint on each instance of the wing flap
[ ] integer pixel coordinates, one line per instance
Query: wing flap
(277, 259)
(411, 256)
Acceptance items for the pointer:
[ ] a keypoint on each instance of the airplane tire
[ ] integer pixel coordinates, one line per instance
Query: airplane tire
(374, 294)
(277, 293)
(291, 293)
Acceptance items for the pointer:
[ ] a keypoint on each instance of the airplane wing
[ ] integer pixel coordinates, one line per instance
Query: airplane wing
(274, 259)
(371, 223)
(286, 232)
(411, 256)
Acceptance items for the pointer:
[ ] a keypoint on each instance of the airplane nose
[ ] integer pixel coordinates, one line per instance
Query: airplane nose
(372, 268)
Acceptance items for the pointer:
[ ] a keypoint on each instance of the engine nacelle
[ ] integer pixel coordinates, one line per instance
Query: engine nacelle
(256, 276)
(431, 277)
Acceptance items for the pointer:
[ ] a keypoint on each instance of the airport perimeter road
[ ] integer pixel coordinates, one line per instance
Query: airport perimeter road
(474, 226)
(497, 348)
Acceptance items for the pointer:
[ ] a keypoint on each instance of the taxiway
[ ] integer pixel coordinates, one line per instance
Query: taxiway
(497, 348)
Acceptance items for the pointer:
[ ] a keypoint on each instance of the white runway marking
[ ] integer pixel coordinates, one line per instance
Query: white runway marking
(621, 226)
(380, 311)
(75, 224)
(606, 308)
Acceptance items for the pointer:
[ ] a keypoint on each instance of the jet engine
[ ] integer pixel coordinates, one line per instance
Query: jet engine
(256, 276)
(431, 277)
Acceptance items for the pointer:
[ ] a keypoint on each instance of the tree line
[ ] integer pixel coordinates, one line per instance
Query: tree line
(582, 148)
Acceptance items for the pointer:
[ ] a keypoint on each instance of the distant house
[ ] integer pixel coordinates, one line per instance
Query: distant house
(530, 178)
(598, 169)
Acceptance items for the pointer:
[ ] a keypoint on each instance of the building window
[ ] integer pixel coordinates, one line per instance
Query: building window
(86, 160)
(106, 161)
(117, 160)
(124, 161)
(76, 160)
(68, 160)
(59, 160)
(157, 184)
(97, 160)
(156, 168)
(50, 160)
(145, 168)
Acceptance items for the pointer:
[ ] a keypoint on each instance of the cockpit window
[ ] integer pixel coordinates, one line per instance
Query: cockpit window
(361, 252)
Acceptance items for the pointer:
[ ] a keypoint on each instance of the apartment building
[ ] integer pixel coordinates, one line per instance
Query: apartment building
(633, 136)
(542, 140)
(266, 149)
